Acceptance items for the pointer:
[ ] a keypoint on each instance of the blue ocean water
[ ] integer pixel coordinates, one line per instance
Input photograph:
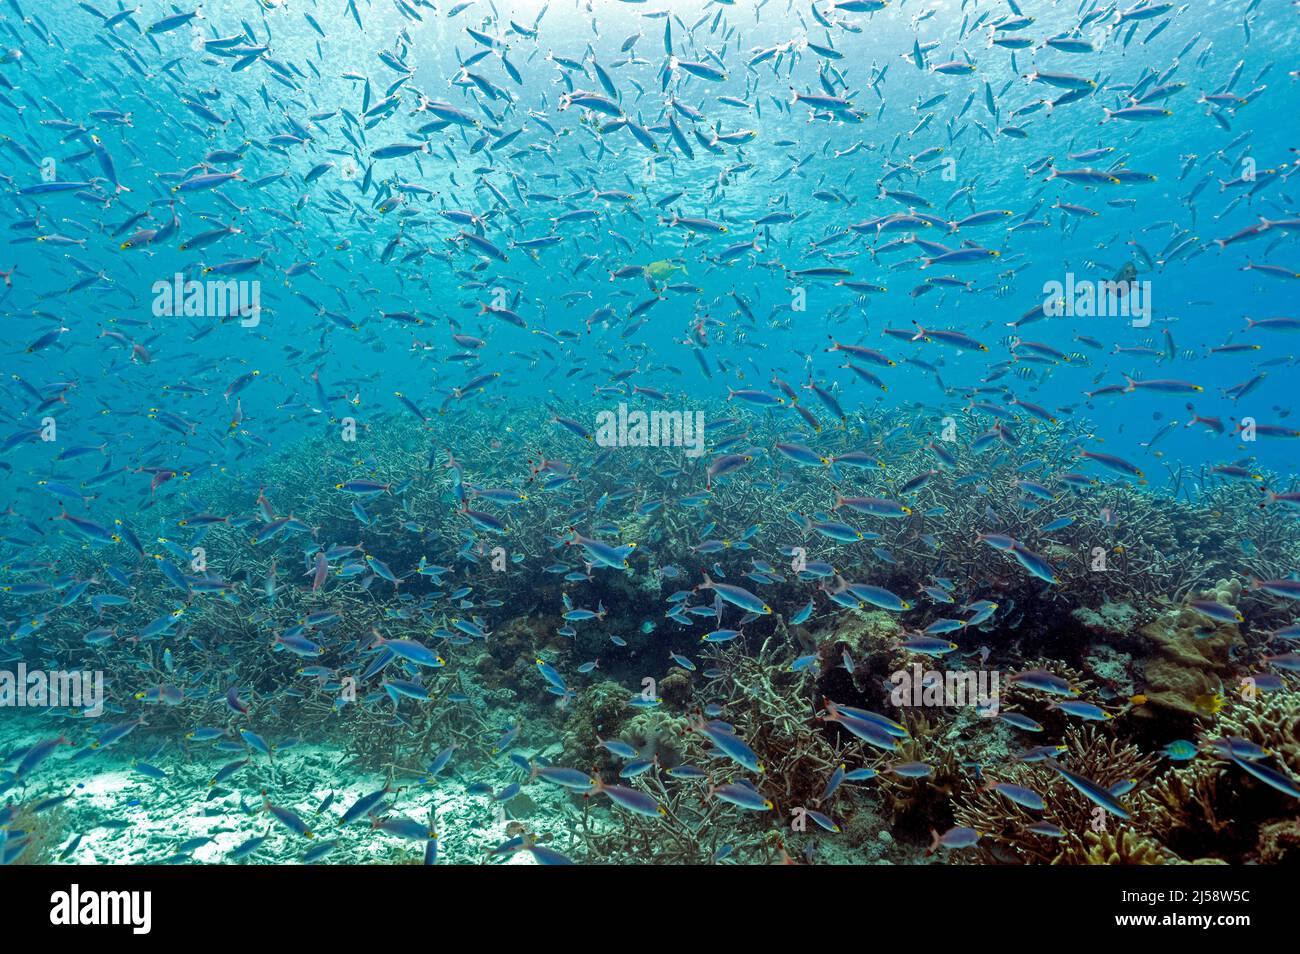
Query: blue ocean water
(314, 312)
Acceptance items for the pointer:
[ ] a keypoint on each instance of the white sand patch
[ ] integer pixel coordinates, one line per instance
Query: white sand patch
(127, 817)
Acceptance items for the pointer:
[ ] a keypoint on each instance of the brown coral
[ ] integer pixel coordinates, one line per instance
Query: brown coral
(1104, 847)
(1191, 659)
(1209, 806)
(1090, 753)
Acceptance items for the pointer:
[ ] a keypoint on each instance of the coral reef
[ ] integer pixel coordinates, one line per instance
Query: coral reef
(1190, 658)
(1197, 807)
(1112, 636)
(1105, 847)
(29, 836)
(1089, 752)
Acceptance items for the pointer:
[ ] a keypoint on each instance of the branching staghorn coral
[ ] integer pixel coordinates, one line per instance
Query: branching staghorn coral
(774, 711)
(692, 830)
(1209, 806)
(1091, 753)
(1161, 552)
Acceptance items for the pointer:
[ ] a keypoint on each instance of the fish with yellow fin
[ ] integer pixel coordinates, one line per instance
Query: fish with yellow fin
(1209, 703)
(663, 269)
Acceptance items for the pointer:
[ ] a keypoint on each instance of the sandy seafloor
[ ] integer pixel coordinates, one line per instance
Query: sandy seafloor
(125, 817)
(160, 816)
